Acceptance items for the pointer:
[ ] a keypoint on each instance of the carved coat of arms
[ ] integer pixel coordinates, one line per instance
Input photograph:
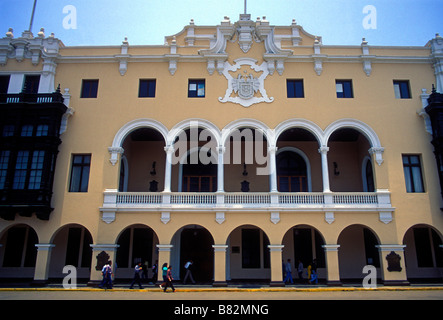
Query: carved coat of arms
(243, 88)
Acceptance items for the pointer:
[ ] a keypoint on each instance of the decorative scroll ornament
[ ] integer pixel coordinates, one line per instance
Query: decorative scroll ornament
(244, 88)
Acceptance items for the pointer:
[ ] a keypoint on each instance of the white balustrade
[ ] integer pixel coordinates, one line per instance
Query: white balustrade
(246, 199)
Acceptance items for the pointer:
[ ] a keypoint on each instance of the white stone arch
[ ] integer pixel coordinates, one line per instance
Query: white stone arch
(307, 125)
(248, 123)
(361, 127)
(193, 123)
(129, 127)
(358, 125)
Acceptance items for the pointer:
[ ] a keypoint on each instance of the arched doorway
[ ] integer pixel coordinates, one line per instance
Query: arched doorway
(18, 253)
(249, 257)
(298, 161)
(72, 247)
(348, 148)
(423, 253)
(304, 243)
(358, 248)
(193, 242)
(137, 243)
(143, 162)
(292, 173)
(194, 175)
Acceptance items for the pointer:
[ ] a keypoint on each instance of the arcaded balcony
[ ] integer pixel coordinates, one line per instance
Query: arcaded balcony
(246, 171)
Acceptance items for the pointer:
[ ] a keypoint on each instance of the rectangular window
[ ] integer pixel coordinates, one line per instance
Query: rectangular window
(401, 89)
(413, 173)
(294, 88)
(36, 173)
(196, 88)
(80, 173)
(146, 88)
(4, 161)
(89, 89)
(31, 84)
(21, 169)
(4, 83)
(344, 88)
(8, 130)
(42, 130)
(27, 130)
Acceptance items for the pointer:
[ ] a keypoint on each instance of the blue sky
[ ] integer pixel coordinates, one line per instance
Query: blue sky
(107, 22)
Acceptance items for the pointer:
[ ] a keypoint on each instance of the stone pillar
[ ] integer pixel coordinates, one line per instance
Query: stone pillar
(219, 265)
(168, 167)
(324, 168)
(272, 169)
(276, 265)
(220, 170)
(164, 256)
(392, 264)
(332, 265)
(42, 263)
(101, 254)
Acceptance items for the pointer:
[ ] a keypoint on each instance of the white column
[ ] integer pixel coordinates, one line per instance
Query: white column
(220, 169)
(272, 168)
(219, 265)
(168, 167)
(42, 263)
(324, 168)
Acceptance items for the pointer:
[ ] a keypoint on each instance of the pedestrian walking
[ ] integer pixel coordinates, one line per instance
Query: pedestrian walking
(288, 269)
(169, 280)
(137, 270)
(164, 275)
(107, 275)
(188, 267)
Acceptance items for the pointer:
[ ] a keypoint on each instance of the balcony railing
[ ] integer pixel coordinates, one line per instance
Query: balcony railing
(273, 202)
(55, 97)
(244, 201)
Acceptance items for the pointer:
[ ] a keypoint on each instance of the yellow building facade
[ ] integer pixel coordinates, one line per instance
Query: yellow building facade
(238, 146)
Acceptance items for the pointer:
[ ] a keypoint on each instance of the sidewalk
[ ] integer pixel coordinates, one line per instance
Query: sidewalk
(122, 287)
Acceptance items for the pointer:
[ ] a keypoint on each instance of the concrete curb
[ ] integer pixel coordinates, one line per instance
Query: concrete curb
(318, 289)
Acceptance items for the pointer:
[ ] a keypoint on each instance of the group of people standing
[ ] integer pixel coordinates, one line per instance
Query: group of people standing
(141, 271)
(311, 272)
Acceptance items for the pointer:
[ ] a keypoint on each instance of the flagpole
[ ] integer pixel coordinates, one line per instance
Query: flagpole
(32, 16)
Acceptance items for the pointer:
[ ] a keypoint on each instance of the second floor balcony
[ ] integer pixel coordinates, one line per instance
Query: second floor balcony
(294, 172)
(272, 202)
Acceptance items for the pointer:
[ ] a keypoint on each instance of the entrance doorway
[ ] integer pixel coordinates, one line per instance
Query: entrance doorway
(196, 245)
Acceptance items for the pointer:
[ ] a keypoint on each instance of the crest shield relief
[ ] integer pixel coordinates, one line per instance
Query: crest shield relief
(243, 89)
